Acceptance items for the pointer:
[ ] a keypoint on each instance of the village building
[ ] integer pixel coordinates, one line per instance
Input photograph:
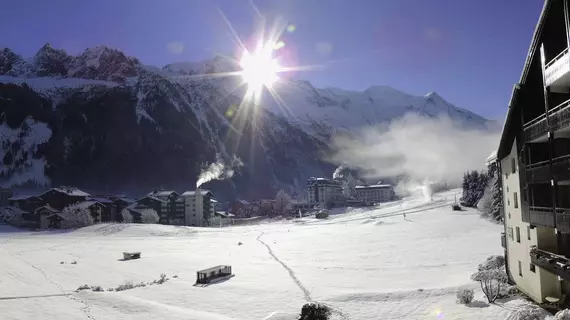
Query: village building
(325, 193)
(198, 207)
(375, 193)
(62, 197)
(533, 161)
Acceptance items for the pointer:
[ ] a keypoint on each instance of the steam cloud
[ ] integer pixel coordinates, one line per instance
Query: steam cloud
(337, 174)
(422, 150)
(219, 170)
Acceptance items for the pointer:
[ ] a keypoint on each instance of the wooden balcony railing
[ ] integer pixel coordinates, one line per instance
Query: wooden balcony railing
(557, 264)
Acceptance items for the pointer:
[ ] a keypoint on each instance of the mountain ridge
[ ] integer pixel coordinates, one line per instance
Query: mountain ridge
(115, 123)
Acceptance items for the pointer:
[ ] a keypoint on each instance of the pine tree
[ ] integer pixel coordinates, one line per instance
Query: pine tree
(497, 202)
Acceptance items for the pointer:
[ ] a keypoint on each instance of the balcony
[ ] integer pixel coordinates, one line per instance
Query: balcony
(556, 264)
(536, 129)
(561, 168)
(542, 216)
(558, 117)
(538, 172)
(503, 240)
(557, 71)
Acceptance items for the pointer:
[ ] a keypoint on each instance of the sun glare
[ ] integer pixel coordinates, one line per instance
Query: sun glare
(259, 68)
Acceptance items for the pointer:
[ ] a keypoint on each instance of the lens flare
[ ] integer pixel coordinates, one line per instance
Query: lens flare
(259, 68)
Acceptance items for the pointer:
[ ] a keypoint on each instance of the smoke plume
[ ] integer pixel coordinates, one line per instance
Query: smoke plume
(219, 170)
(417, 149)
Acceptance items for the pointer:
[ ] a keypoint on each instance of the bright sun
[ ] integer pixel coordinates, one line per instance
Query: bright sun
(259, 68)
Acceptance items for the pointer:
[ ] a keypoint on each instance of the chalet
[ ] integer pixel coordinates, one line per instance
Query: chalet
(62, 197)
(172, 210)
(25, 202)
(109, 211)
(96, 209)
(41, 216)
(150, 202)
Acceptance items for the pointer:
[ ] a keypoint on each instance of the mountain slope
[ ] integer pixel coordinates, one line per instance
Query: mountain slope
(108, 123)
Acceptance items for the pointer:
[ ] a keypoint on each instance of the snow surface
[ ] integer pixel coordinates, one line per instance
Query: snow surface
(365, 264)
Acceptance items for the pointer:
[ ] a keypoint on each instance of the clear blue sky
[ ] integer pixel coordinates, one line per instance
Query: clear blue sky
(470, 52)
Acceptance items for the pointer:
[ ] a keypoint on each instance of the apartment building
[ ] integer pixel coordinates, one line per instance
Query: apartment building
(375, 193)
(534, 162)
(325, 192)
(198, 207)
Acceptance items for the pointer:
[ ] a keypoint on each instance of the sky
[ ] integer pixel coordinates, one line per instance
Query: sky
(470, 52)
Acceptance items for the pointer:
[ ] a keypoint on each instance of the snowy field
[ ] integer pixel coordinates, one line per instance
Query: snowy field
(365, 264)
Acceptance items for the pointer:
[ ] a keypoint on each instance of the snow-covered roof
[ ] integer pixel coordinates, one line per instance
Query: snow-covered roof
(21, 197)
(491, 158)
(48, 208)
(151, 197)
(63, 215)
(100, 199)
(374, 186)
(225, 214)
(161, 193)
(192, 193)
(70, 191)
(242, 202)
(87, 204)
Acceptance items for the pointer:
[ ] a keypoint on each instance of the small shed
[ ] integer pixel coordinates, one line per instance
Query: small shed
(207, 275)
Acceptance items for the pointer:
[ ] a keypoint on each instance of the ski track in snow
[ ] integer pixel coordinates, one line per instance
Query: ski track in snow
(306, 293)
(86, 309)
(293, 276)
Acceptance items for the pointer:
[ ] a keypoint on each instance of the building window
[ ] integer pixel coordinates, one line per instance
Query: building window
(532, 268)
(509, 215)
(528, 232)
(520, 269)
(515, 200)
(518, 235)
(510, 232)
(514, 165)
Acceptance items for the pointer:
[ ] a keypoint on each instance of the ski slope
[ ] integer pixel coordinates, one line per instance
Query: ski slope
(365, 264)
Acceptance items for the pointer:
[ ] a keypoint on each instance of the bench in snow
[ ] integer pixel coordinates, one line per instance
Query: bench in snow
(131, 255)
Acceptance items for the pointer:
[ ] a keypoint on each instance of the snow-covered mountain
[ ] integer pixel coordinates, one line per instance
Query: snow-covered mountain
(101, 120)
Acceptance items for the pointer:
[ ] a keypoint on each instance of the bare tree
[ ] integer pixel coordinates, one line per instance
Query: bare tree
(282, 201)
(490, 281)
(76, 217)
(148, 216)
(127, 216)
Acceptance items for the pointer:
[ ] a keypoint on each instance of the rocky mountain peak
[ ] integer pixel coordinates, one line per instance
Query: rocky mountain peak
(49, 61)
(103, 63)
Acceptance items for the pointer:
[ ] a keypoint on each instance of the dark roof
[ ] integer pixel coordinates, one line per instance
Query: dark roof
(70, 191)
(100, 199)
(513, 114)
(192, 193)
(87, 204)
(162, 193)
(48, 208)
(212, 269)
(152, 198)
(22, 197)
